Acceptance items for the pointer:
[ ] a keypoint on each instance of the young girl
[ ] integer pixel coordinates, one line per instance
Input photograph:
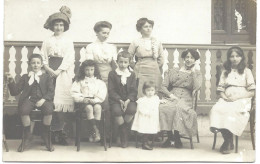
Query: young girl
(146, 119)
(90, 91)
(122, 95)
(58, 59)
(236, 88)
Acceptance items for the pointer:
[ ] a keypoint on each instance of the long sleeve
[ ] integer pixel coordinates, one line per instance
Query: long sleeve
(44, 53)
(69, 57)
(89, 53)
(197, 80)
(133, 88)
(250, 82)
(76, 92)
(16, 88)
(132, 49)
(221, 85)
(101, 93)
(50, 90)
(112, 88)
(165, 84)
(160, 59)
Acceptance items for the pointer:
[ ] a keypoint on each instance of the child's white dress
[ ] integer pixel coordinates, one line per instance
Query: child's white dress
(147, 116)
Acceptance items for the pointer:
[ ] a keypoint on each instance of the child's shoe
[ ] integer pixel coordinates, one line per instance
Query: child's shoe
(96, 135)
(146, 146)
(91, 137)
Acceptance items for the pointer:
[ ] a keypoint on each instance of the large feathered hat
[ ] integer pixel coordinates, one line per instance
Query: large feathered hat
(64, 15)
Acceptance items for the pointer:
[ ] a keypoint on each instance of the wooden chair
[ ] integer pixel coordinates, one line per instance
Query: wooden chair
(79, 118)
(194, 106)
(252, 128)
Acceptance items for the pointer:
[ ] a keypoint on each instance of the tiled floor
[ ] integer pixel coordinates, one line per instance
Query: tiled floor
(91, 152)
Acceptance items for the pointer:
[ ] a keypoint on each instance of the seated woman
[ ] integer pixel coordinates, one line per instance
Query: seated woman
(236, 88)
(178, 87)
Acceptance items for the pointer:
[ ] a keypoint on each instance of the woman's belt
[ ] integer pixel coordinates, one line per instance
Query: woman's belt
(145, 57)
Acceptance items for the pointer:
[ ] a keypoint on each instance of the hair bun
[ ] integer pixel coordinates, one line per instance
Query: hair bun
(65, 10)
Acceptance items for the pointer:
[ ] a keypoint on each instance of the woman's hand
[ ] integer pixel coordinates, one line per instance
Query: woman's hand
(9, 77)
(163, 101)
(57, 72)
(49, 70)
(173, 97)
(193, 93)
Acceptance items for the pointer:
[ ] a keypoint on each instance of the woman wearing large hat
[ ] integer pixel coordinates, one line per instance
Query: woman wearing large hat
(58, 59)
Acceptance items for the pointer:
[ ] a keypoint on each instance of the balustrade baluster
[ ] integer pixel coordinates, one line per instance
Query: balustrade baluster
(36, 50)
(24, 65)
(175, 61)
(165, 63)
(207, 75)
(12, 65)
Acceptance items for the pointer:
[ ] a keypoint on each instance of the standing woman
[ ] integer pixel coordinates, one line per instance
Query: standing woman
(103, 53)
(236, 88)
(149, 54)
(58, 59)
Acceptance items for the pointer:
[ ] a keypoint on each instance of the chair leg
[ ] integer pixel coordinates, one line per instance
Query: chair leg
(191, 143)
(236, 144)
(198, 138)
(214, 142)
(162, 135)
(77, 129)
(5, 143)
(252, 132)
(78, 135)
(153, 139)
(111, 131)
(136, 139)
(104, 131)
(50, 143)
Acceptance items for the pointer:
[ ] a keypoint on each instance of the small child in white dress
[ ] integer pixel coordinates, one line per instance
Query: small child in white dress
(146, 119)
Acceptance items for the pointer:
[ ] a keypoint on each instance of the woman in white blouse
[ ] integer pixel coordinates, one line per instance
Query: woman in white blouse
(103, 53)
(58, 59)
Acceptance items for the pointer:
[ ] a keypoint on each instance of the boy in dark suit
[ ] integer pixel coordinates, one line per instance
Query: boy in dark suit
(122, 93)
(37, 91)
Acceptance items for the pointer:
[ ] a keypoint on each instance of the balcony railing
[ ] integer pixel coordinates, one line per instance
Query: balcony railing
(212, 57)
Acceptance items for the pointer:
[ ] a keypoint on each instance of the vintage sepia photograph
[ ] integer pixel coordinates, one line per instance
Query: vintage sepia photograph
(129, 81)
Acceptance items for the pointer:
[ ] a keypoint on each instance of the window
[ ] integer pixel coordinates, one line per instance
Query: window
(233, 21)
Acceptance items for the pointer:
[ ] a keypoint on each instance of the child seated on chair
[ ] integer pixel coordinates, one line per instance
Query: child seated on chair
(37, 92)
(122, 91)
(146, 119)
(90, 91)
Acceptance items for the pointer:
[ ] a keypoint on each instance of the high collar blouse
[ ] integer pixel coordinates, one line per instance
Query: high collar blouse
(59, 46)
(101, 52)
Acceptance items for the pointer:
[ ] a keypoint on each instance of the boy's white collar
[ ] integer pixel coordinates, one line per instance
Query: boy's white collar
(35, 76)
(124, 75)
